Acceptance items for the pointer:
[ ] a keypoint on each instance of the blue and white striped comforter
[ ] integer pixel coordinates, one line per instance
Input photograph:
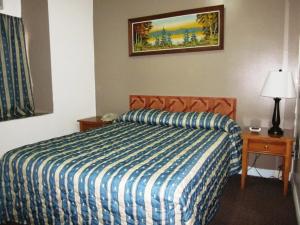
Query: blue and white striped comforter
(126, 173)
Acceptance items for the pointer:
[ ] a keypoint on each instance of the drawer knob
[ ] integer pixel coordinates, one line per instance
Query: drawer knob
(266, 147)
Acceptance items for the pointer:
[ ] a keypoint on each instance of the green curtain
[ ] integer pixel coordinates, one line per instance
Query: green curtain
(16, 98)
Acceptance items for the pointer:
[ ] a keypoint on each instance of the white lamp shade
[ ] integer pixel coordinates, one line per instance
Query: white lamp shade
(279, 84)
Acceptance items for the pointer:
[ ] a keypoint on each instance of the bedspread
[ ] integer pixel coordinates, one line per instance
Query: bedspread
(125, 173)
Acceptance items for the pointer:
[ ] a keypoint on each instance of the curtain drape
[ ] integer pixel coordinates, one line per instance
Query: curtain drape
(16, 99)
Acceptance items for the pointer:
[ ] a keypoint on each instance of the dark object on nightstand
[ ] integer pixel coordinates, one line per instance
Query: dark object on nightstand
(92, 123)
(276, 130)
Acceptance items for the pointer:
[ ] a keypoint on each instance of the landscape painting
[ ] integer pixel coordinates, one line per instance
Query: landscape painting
(190, 30)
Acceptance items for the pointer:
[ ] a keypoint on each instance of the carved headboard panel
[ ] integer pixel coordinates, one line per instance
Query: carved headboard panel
(223, 105)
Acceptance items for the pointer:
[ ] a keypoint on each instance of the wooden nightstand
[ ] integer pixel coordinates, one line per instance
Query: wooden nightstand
(92, 123)
(262, 143)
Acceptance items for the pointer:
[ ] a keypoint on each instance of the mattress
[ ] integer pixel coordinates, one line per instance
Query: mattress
(126, 173)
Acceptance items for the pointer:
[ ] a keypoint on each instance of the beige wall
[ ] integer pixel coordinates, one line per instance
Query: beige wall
(36, 23)
(253, 46)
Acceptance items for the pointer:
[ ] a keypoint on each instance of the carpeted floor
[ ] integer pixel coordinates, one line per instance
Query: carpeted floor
(261, 203)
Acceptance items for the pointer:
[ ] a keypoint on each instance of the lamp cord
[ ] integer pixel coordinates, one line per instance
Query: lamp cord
(253, 166)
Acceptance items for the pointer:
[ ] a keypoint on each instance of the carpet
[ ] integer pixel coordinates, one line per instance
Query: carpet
(260, 203)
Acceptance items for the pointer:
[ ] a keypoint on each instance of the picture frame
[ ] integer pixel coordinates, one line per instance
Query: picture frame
(200, 29)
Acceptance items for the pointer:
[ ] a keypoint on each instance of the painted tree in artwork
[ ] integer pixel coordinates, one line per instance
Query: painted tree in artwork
(163, 40)
(209, 23)
(194, 39)
(156, 41)
(186, 39)
(141, 33)
(169, 40)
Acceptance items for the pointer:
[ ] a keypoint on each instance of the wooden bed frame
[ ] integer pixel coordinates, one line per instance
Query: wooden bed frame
(223, 105)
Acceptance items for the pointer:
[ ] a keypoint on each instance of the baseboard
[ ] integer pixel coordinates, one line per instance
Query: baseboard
(296, 199)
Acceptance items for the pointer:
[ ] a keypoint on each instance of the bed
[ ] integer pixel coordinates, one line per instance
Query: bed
(165, 161)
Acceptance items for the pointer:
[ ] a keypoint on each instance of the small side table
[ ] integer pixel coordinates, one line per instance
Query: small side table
(262, 143)
(92, 123)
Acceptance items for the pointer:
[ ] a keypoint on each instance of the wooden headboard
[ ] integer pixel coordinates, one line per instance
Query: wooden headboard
(223, 105)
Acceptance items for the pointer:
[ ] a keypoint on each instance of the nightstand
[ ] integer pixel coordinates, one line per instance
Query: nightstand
(92, 123)
(262, 143)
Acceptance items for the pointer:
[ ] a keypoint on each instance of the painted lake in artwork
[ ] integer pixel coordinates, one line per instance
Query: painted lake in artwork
(187, 31)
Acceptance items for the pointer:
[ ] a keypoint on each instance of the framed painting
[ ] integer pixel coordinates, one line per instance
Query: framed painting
(200, 29)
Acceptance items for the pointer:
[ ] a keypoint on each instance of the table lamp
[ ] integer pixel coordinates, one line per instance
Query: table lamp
(278, 84)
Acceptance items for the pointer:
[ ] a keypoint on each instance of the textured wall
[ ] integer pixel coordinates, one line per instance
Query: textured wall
(253, 46)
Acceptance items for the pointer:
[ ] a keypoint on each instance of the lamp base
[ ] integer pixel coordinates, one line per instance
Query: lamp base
(275, 131)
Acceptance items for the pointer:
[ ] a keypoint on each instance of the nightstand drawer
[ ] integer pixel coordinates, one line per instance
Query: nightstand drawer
(90, 126)
(92, 123)
(266, 147)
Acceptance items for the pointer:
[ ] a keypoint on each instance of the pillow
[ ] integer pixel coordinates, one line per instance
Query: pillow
(195, 120)
(148, 116)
